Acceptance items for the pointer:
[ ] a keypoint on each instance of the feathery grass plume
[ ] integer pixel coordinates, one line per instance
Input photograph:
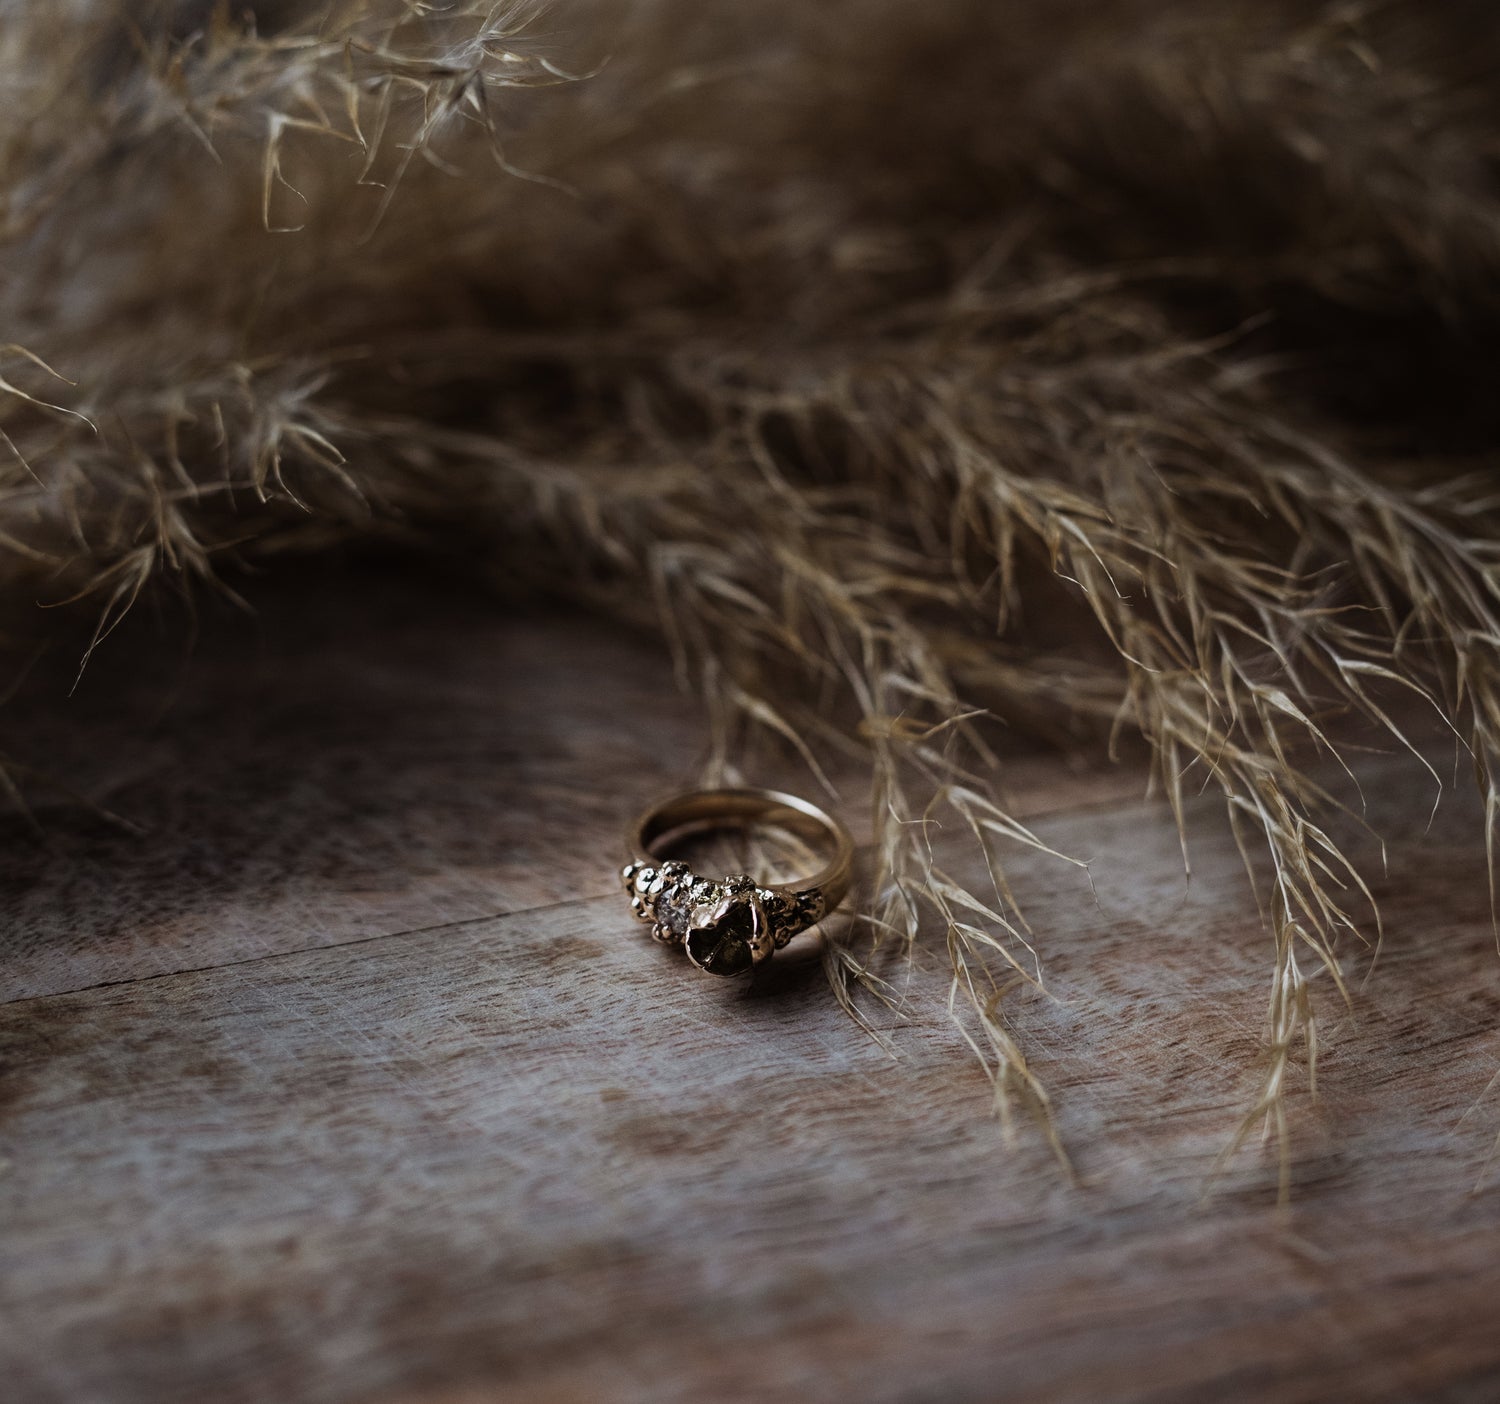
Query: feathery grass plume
(842, 342)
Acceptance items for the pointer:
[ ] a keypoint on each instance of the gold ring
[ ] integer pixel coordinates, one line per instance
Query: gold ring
(729, 925)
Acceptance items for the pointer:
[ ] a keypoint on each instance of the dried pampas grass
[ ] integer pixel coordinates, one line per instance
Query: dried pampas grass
(1113, 369)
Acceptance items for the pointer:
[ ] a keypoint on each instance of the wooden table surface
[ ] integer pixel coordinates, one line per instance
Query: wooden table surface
(349, 1077)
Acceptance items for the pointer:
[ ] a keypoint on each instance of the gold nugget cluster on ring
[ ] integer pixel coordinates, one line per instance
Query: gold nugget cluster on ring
(729, 925)
(726, 925)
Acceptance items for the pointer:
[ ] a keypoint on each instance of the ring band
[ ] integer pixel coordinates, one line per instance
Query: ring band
(729, 925)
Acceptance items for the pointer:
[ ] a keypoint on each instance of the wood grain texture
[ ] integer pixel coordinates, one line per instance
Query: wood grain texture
(388, 1099)
(349, 761)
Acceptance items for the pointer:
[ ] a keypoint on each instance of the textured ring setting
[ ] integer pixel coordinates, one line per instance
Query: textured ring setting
(729, 925)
